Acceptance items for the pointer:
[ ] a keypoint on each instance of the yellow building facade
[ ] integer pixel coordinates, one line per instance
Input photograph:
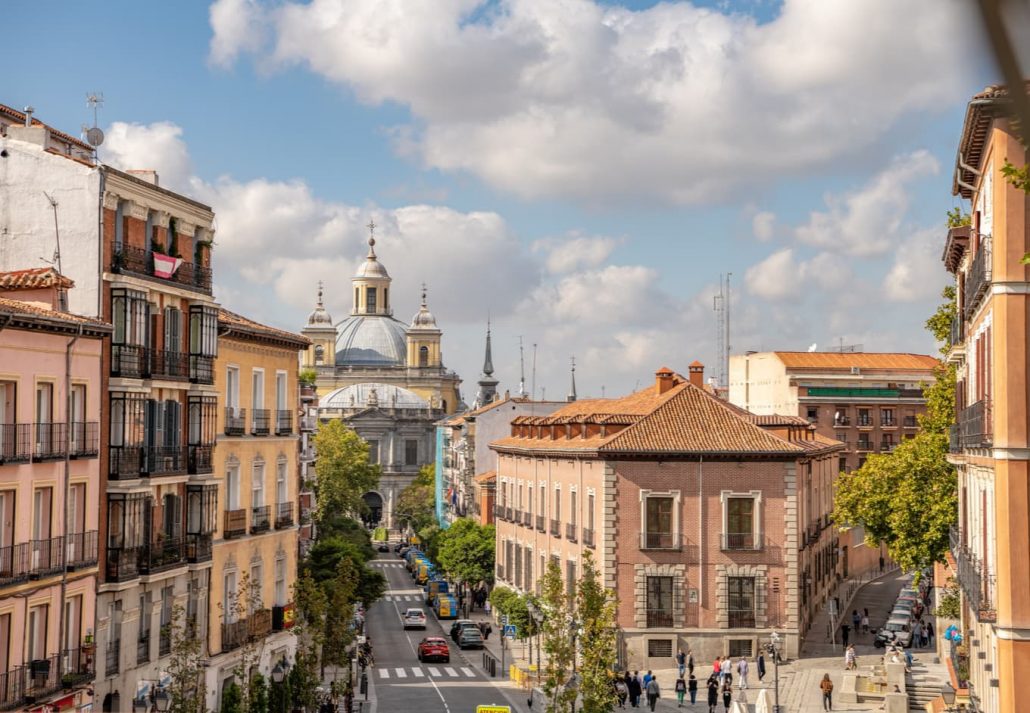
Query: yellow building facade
(255, 548)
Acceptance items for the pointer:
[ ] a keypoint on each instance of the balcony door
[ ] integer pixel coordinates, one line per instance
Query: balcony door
(75, 521)
(44, 417)
(42, 505)
(37, 632)
(7, 502)
(659, 522)
(77, 417)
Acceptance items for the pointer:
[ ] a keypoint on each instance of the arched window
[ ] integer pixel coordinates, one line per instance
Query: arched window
(423, 356)
(319, 354)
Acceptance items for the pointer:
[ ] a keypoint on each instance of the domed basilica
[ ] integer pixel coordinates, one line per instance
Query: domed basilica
(384, 378)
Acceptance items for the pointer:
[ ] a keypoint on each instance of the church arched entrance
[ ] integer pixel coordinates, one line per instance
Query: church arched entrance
(374, 502)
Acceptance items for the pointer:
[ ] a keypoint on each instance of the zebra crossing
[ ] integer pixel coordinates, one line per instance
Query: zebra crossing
(386, 563)
(444, 672)
(404, 598)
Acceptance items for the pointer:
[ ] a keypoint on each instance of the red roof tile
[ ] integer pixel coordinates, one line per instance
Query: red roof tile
(34, 279)
(239, 324)
(862, 360)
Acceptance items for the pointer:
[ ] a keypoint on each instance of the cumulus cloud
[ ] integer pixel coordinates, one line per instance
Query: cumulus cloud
(782, 276)
(521, 93)
(916, 272)
(763, 225)
(158, 146)
(575, 251)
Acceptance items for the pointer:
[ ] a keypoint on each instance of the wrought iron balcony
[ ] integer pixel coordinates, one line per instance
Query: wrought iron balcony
(588, 537)
(976, 582)
(50, 441)
(198, 547)
(499, 512)
(113, 656)
(143, 648)
(660, 619)
(164, 554)
(12, 688)
(661, 541)
(260, 519)
(745, 540)
(165, 460)
(307, 455)
(123, 563)
(284, 515)
(978, 279)
(509, 514)
(80, 549)
(139, 261)
(865, 421)
(15, 443)
(741, 618)
(164, 641)
(570, 532)
(957, 333)
(863, 445)
(976, 429)
(911, 422)
(46, 557)
(14, 564)
(235, 524)
(842, 421)
(540, 523)
(283, 422)
(42, 678)
(85, 439)
(129, 361)
(77, 668)
(202, 369)
(888, 423)
(308, 423)
(260, 421)
(527, 519)
(235, 421)
(200, 459)
(168, 365)
(236, 633)
(555, 528)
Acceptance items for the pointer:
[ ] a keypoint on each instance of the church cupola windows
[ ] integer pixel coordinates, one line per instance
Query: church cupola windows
(423, 356)
(370, 300)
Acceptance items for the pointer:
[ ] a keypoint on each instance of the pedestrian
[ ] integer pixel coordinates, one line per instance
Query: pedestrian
(917, 634)
(647, 678)
(713, 693)
(761, 666)
(621, 691)
(908, 661)
(929, 631)
(487, 631)
(826, 686)
(653, 692)
(856, 620)
(845, 631)
(849, 658)
(727, 695)
(681, 662)
(742, 670)
(681, 690)
(690, 661)
(865, 622)
(486, 607)
(717, 667)
(692, 689)
(881, 563)
(924, 635)
(635, 689)
(726, 668)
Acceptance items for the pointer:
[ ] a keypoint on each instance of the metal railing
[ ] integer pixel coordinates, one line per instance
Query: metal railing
(198, 547)
(143, 648)
(509, 514)
(660, 619)
(555, 528)
(864, 421)
(165, 460)
(167, 553)
(43, 677)
(888, 422)
(235, 524)
(284, 515)
(164, 641)
(976, 429)
(140, 261)
(235, 421)
(12, 688)
(199, 459)
(499, 512)
(978, 279)
(661, 541)
(260, 420)
(129, 361)
(976, 582)
(741, 618)
(957, 333)
(15, 443)
(77, 668)
(80, 549)
(50, 441)
(260, 519)
(911, 422)
(570, 531)
(308, 423)
(173, 366)
(862, 445)
(123, 563)
(540, 525)
(740, 541)
(202, 369)
(46, 557)
(588, 537)
(14, 564)
(307, 454)
(842, 421)
(283, 422)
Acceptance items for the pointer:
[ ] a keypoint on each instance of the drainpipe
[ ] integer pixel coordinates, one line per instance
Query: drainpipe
(700, 536)
(67, 489)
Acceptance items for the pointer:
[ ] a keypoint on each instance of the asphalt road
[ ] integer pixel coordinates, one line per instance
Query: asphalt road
(402, 684)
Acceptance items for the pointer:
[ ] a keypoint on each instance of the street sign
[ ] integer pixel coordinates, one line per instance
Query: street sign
(509, 630)
(504, 620)
(493, 709)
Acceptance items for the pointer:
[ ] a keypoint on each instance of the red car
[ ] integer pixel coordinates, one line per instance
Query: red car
(433, 648)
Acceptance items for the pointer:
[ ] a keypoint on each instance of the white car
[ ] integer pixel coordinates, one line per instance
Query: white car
(895, 631)
(414, 619)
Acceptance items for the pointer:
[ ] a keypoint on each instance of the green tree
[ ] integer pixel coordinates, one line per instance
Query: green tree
(466, 551)
(232, 699)
(258, 694)
(186, 688)
(416, 504)
(324, 562)
(596, 608)
(242, 604)
(557, 641)
(515, 606)
(340, 598)
(939, 323)
(343, 470)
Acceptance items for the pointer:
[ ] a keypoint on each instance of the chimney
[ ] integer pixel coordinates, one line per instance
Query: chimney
(697, 374)
(663, 380)
(144, 174)
(29, 111)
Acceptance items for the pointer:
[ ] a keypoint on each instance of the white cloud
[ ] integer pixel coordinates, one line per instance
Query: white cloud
(872, 219)
(781, 276)
(158, 146)
(916, 273)
(575, 251)
(690, 103)
(763, 225)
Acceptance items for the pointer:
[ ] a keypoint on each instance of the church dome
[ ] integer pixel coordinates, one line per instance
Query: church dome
(319, 317)
(371, 395)
(423, 319)
(371, 268)
(371, 340)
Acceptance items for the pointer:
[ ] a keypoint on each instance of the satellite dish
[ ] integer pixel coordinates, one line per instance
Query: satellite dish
(94, 136)
(813, 347)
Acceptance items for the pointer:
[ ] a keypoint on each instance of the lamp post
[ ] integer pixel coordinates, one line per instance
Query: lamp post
(158, 698)
(948, 695)
(773, 647)
(279, 672)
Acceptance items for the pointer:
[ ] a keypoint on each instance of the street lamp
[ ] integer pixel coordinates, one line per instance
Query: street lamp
(278, 674)
(948, 694)
(158, 697)
(774, 649)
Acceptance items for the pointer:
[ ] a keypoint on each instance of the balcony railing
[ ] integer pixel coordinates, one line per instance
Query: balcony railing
(977, 584)
(14, 564)
(12, 688)
(499, 512)
(235, 421)
(173, 366)
(202, 369)
(260, 421)
(911, 422)
(134, 361)
(975, 426)
(864, 445)
(865, 421)
(235, 524)
(165, 460)
(77, 668)
(570, 532)
(260, 519)
(43, 678)
(85, 439)
(49, 442)
(129, 361)
(958, 331)
(123, 563)
(283, 422)
(740, 541)
(113, 656)
(308, 423)
(200, 459)
(540, 526)
(15, 443)
(509, 514)
(164, 641)
(527, 519)
(555, 528)
(516, 516)
(139, 261)
(284, 515)
(236, 633)
(660, 619)
(842, 421)
(164, 554)
(46, 557)
(978, 279)
(198, 547)
(129, 462)
(588, 537)
(307, 454)
(887, 446)
(888, 423)
(143, 648)
(80, 549)
(661, 541)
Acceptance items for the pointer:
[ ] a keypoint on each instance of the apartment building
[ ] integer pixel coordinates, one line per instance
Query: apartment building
(711, 524)
(256, 532)
(51, 389)
(141, 256)
(990, 443)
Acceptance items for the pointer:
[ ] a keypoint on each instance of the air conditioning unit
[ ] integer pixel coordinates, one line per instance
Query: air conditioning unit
(855, 370)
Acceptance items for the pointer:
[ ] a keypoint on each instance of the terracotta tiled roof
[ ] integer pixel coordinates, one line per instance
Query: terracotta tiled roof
(238, 323)
(31, 310)
(862, 360)
(777, 420)
(982, 109)
(487, 477)
(34, 279)
(19, 117)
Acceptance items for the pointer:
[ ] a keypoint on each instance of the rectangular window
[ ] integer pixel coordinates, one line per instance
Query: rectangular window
(659, 648)
(5, 642)
(119, 232)
(570, 578)
(280, 582)
(373, 452)
(229, 597)
(232, 387)
(8, 404)
(281, 493)
(258, 389)
(173, 330)
(557, 504)
(741, 602)
(842, 464)
(864, 419)
(255, 597)
(590, 511)
(42, 499)
(659, 530)
(130, 317)
(37, 635)
(813, 413)
(887, 417)
(370, 300)
(572, 507)
(543, 501)
(741, 647)
(257, 486)
(280, 392)
(7, 504)
(740, 523)
(203, 330)
(410, 452)
(232, 487)
(659, 602)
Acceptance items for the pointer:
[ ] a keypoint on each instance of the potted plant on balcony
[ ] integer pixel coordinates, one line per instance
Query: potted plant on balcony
(307, 377)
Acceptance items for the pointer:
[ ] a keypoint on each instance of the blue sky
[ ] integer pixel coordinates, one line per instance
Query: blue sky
(583, 171)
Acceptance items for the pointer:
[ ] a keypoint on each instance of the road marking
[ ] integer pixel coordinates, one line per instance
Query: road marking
(418, 673)
(451, 672)
(433, 671)
(468, 672)
(436, 688)
(383, 673)
(401, 673)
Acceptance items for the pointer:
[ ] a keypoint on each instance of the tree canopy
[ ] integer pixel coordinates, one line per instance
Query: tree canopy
(466, 551)
(416, 504)
(596, 609)
(343, 470)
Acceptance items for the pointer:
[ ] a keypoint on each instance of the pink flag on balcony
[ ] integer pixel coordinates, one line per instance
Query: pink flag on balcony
(165, 265)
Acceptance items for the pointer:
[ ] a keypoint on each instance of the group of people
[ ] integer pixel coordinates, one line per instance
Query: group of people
(632, 687)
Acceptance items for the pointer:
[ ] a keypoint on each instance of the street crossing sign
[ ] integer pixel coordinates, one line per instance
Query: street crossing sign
(509, 630)
(493, 709)
(504, 620)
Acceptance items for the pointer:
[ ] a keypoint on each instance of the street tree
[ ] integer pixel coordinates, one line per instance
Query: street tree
(416, 504)
(558, 642)
(243, 604)
(341, 595)
(186, 687)
(309, 628)
(466, 551)
(343, 470)
(515, 607)
(596, 609)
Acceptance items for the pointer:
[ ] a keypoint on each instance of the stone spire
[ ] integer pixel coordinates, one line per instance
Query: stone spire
(487, 382)
(572, 391)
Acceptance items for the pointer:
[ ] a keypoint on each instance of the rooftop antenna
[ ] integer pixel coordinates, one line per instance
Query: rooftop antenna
(848, 348)
(721, 305)
(522, 369)
(533, 383)
(94, 135)
(62, 294)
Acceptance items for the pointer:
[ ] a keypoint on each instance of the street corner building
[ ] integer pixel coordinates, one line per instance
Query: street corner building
(711, 524)
(990, 442)
(384, 378)
(51, 388)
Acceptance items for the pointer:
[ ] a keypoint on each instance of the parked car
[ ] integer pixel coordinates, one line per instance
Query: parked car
(414, 619)
(895, 631)
(901, 613)
(434, 648)
(460, 624)
(383, 547)
(470, 638)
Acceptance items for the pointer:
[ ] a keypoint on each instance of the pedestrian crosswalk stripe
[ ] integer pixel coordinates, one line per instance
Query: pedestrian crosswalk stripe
(383, 673)
(467, 672)
(434, 671)
(451, 672)
(418, 672)
(401, 673)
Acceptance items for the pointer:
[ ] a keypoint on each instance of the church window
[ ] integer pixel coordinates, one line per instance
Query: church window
(373, 452)
(357, 297)
(386, 298)
(410, 452)
(423, 356)
(370, 300)
(319, 353)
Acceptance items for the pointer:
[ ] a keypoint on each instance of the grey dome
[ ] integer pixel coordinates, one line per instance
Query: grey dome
(319, 317)
(371, 340)
(361, 395)
(423, 319)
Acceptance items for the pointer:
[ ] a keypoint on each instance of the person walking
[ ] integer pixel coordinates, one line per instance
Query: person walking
(717, 667)
(929, 632)
(856, 620)
(742, 671)
(681, 662)
(727, 695)
(761, 666)
(621, 691)
(653, 693)
(826, 686)
(713, 693)
(865, 622)
(845, 631)
(635, 690)
(690, 662)
(726, 669)
(849, 658)
(647, 678)
(692, 689)
(681, 690)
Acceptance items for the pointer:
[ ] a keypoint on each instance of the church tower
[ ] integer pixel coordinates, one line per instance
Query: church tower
(424, 338)
(487, 382)
(322, 333)
(371, 283)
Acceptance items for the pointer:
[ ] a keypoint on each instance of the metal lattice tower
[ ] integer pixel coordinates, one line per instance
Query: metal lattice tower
(721, 305)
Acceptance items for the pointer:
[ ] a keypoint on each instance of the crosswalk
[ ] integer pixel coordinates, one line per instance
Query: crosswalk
(386, 563)
(404, 598)
(399, 672)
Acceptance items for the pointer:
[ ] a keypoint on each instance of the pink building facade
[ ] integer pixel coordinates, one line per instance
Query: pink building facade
(51, 392)
(711, 524)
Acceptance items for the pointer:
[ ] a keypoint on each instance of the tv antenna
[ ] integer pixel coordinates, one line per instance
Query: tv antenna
(848, 348)
(62, 294)
(522, 369)
(94, 135)
(721, 305)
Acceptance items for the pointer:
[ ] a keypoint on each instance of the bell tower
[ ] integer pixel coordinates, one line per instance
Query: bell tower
(322, 333)
(424, 338)
(371, 283)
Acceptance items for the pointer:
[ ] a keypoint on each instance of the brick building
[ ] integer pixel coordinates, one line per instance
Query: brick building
(711, 524)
